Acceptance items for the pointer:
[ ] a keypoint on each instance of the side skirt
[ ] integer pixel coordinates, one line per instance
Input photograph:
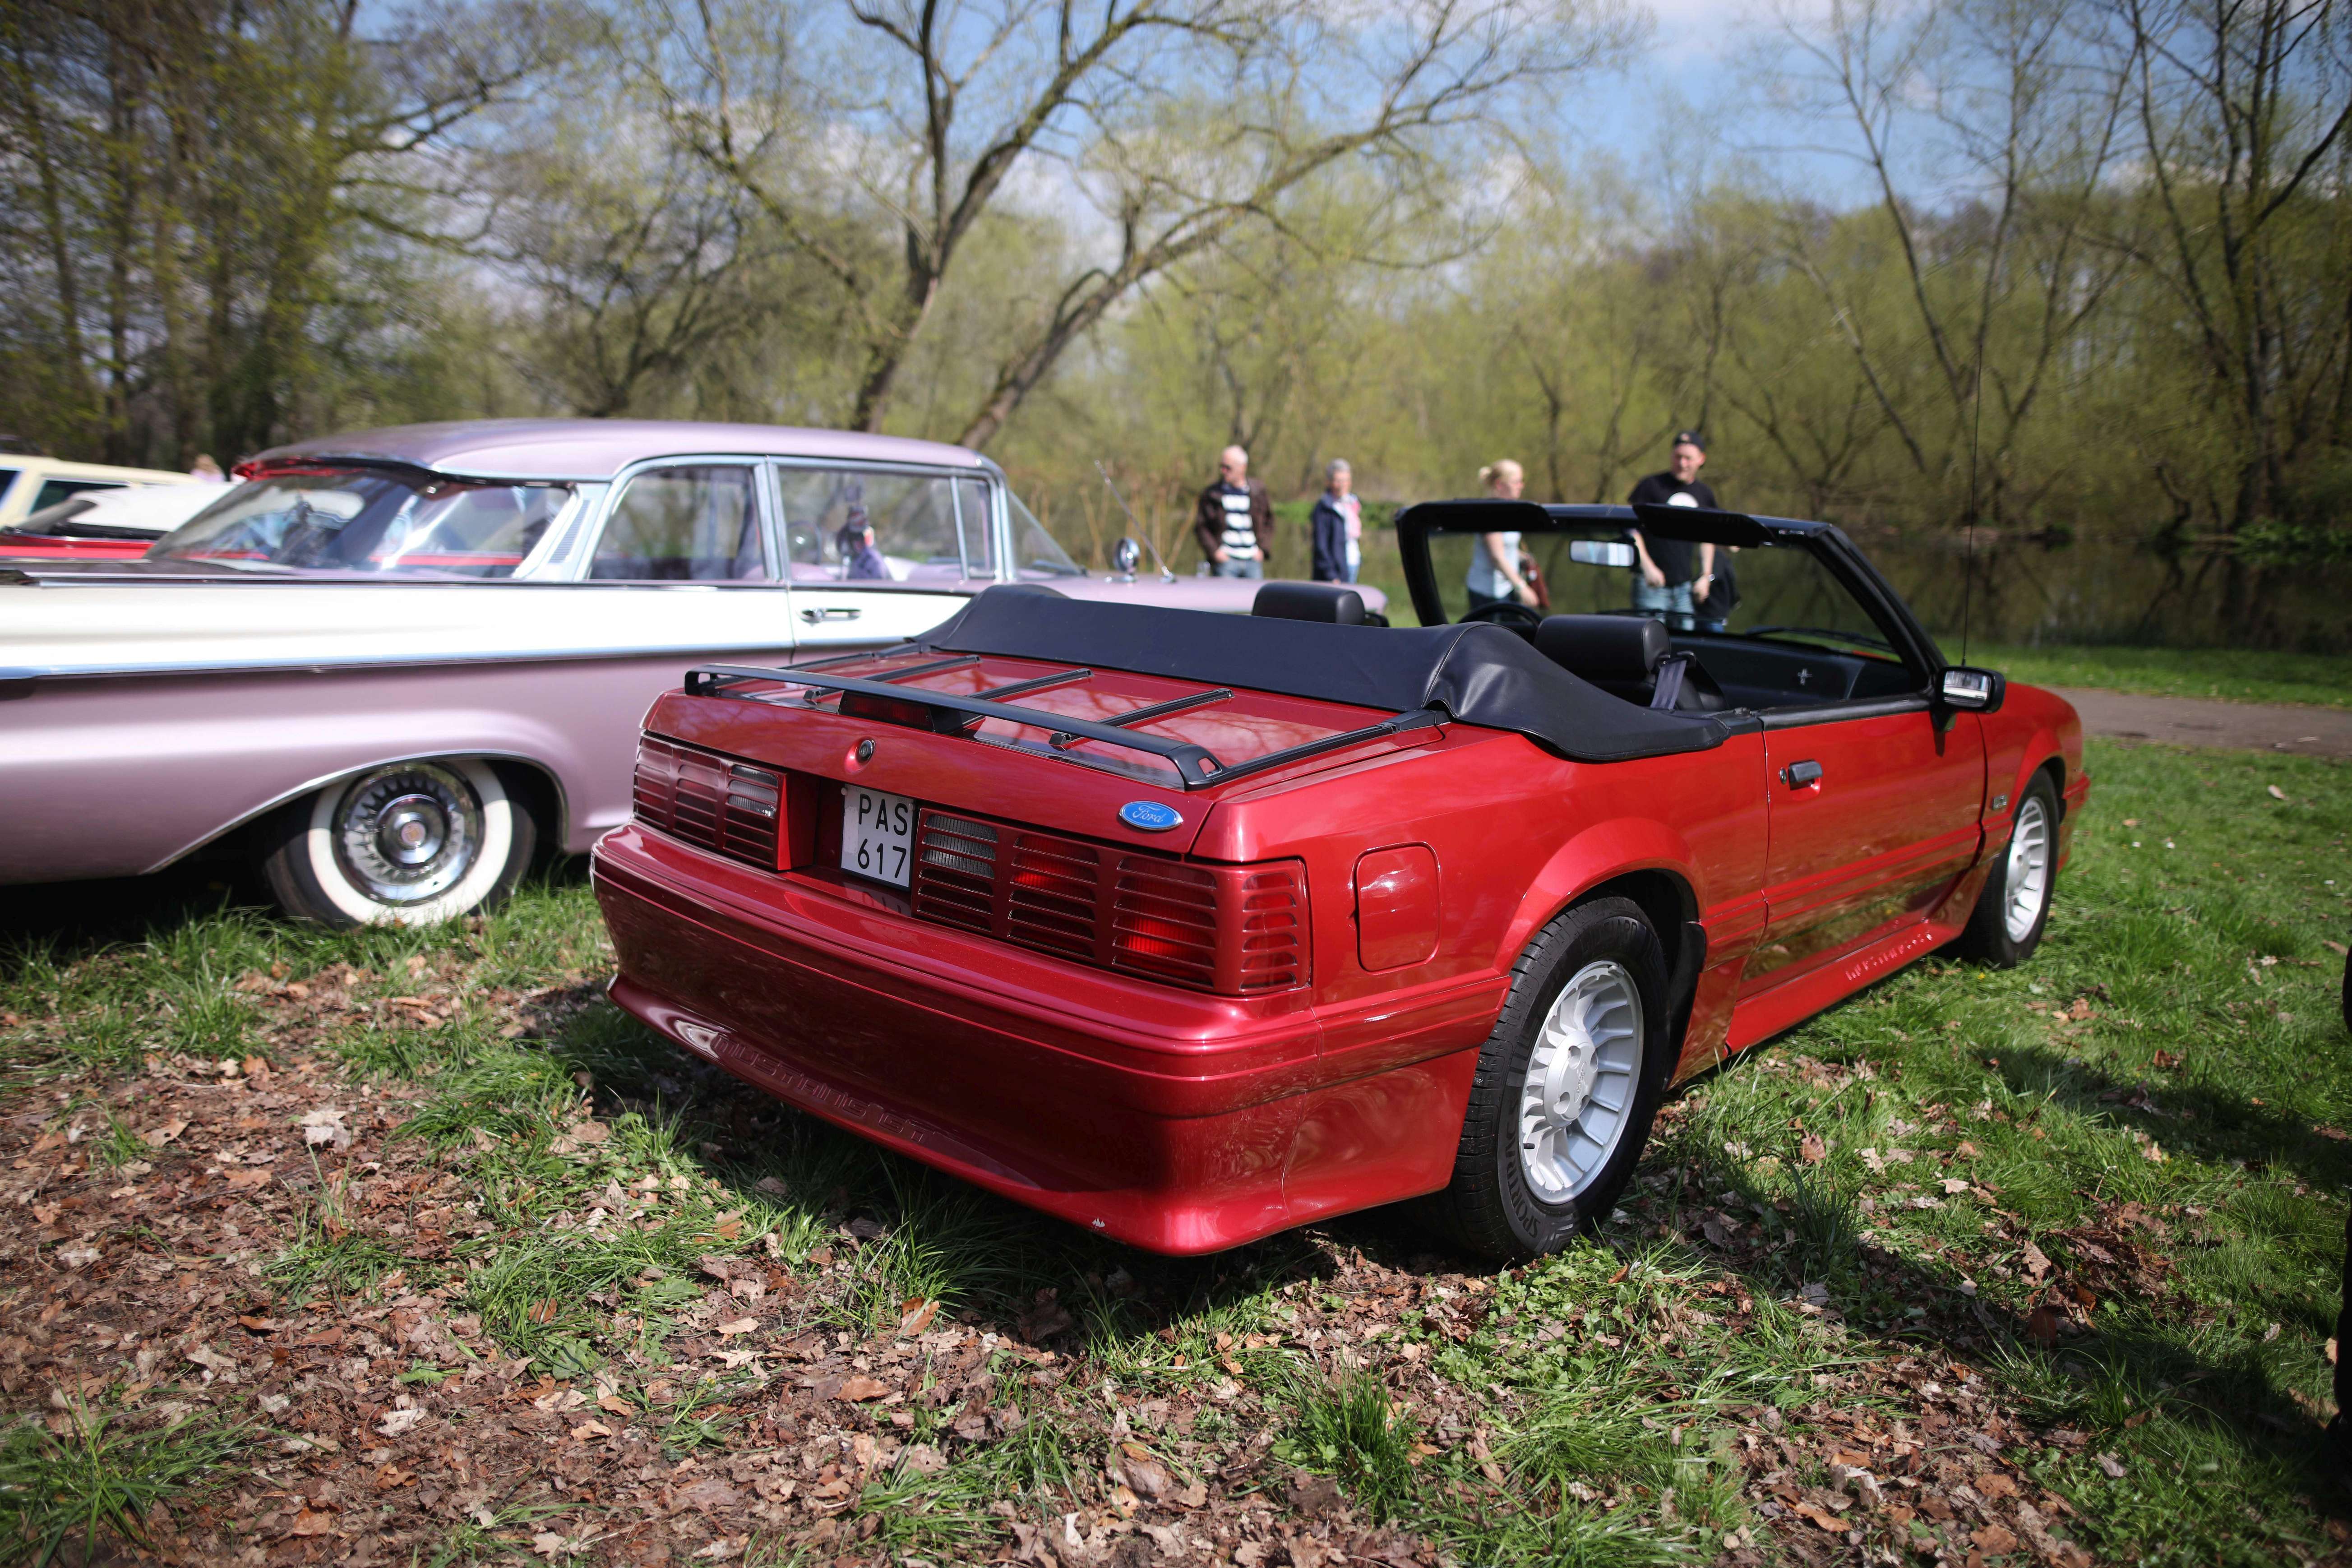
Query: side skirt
(1784, 1006)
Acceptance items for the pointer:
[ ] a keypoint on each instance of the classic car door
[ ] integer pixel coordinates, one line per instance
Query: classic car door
(685, 548)
(1875, 797)
(875, 555)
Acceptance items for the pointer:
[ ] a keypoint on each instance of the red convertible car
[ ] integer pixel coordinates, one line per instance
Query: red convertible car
(1189, 929)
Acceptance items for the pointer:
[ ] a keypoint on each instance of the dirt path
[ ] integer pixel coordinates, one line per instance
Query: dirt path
(2201, 721)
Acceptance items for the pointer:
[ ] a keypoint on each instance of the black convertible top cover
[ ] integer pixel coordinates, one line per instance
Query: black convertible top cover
(1478, 674)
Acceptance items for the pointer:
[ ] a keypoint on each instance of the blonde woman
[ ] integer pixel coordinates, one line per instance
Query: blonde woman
(1494, 577)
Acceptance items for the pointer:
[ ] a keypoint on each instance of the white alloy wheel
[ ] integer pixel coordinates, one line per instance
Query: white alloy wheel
(2028, 879)
(410, 843)
(1576, 1098)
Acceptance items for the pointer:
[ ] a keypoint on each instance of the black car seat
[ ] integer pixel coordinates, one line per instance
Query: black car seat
(1629, 657)
(1333, 601)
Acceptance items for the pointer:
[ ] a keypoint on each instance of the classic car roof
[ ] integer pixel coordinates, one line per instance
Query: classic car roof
(1479, 674)
(599, 449)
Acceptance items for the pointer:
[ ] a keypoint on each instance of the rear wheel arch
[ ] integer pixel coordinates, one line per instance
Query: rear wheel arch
(1668, 901)
(536, 788)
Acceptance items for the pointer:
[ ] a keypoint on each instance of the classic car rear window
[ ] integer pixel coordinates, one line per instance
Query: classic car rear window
(368, 520)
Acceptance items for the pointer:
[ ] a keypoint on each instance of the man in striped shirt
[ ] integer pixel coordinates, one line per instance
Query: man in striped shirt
(1235, 521)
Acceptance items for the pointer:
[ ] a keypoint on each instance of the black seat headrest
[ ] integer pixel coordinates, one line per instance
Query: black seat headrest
(1604, 648)
(1333, 601)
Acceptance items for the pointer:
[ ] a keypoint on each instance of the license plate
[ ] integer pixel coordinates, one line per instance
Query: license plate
(877, 834)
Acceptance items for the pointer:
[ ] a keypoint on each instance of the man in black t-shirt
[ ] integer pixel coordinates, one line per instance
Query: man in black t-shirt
(1675, 579)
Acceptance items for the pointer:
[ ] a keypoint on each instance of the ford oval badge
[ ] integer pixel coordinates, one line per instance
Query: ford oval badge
(1150, 815)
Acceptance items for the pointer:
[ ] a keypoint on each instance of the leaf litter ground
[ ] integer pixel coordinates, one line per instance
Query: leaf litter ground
(406, 1248)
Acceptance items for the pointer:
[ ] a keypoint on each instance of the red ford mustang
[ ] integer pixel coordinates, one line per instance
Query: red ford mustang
(1190, 928)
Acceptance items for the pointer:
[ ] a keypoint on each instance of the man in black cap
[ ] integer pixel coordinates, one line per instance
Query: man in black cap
(1675, 579)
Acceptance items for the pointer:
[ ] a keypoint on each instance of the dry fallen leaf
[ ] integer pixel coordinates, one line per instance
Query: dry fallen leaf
(1995, 1538)
(858, 1389)
(916, 1315)
(2043, 1325)
(1822, 1518)
(2111, 1464)
(312, 1522)
(1811, 1150)
(2276, 793)
(740, 1326)
(1146, 1475)
(396, 1423)
(325, 1127)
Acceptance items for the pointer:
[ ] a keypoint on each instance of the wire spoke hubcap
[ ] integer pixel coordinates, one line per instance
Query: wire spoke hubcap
(2028, 869)
(407, 833)
(1577, 1094)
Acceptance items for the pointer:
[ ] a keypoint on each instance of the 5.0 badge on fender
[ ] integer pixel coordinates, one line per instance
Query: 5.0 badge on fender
(1149, 816)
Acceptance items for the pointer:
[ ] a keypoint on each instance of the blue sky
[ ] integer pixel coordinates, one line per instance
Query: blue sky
(1700, 96)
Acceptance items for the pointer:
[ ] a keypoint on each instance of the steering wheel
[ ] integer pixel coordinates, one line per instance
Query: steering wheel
(1507, 613)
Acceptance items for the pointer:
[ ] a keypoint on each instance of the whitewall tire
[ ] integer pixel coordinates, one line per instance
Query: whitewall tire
(403, 844)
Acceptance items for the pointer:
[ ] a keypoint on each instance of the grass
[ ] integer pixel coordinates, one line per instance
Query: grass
(2240, 675)
(2153, 1106)
(62, 1491)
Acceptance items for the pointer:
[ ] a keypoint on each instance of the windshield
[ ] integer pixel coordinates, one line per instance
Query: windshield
(1038, 555)
(1770, 625)
(369, 519)
(1781, 591)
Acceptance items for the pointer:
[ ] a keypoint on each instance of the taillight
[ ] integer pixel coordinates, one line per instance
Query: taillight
(906, 710)
(1236, 931)
(710, 800)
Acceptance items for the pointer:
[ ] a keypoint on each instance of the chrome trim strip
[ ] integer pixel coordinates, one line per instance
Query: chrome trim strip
(389, 662)
(1834, 712)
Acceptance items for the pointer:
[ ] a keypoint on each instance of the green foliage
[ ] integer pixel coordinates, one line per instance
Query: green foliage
(1351, 1429)
(100, 1477)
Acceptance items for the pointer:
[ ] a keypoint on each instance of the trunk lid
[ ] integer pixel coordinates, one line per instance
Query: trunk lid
(1087, 744)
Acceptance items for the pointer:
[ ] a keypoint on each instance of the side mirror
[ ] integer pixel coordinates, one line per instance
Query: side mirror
(1125, 556)
(1972, 690)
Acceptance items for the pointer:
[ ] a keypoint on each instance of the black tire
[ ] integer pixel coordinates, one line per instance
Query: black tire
(1492, 1207)
(332, 858)
(1992, 937)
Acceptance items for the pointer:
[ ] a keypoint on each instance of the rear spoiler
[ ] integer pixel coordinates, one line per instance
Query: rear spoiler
(951, 713)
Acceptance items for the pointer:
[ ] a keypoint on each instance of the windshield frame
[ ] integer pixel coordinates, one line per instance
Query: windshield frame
(1837, 554)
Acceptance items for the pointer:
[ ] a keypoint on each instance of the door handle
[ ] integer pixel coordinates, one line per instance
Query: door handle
(1798, 776)
(814, 615)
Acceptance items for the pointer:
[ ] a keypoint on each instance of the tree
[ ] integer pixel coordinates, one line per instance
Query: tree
(193, 184)
(1176, 122)
(1996, 290)
(2240, 108)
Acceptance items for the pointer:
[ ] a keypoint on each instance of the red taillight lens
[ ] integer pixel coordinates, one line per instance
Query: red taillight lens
(713, 802)
(1237, 931)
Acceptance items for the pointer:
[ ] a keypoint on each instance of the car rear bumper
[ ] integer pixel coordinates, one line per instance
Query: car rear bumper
(1175, 1121)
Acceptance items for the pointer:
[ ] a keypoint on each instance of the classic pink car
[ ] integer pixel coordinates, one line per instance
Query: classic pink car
(390, 666)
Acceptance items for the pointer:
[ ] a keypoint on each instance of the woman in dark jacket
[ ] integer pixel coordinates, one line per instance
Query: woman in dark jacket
(1337, 528)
